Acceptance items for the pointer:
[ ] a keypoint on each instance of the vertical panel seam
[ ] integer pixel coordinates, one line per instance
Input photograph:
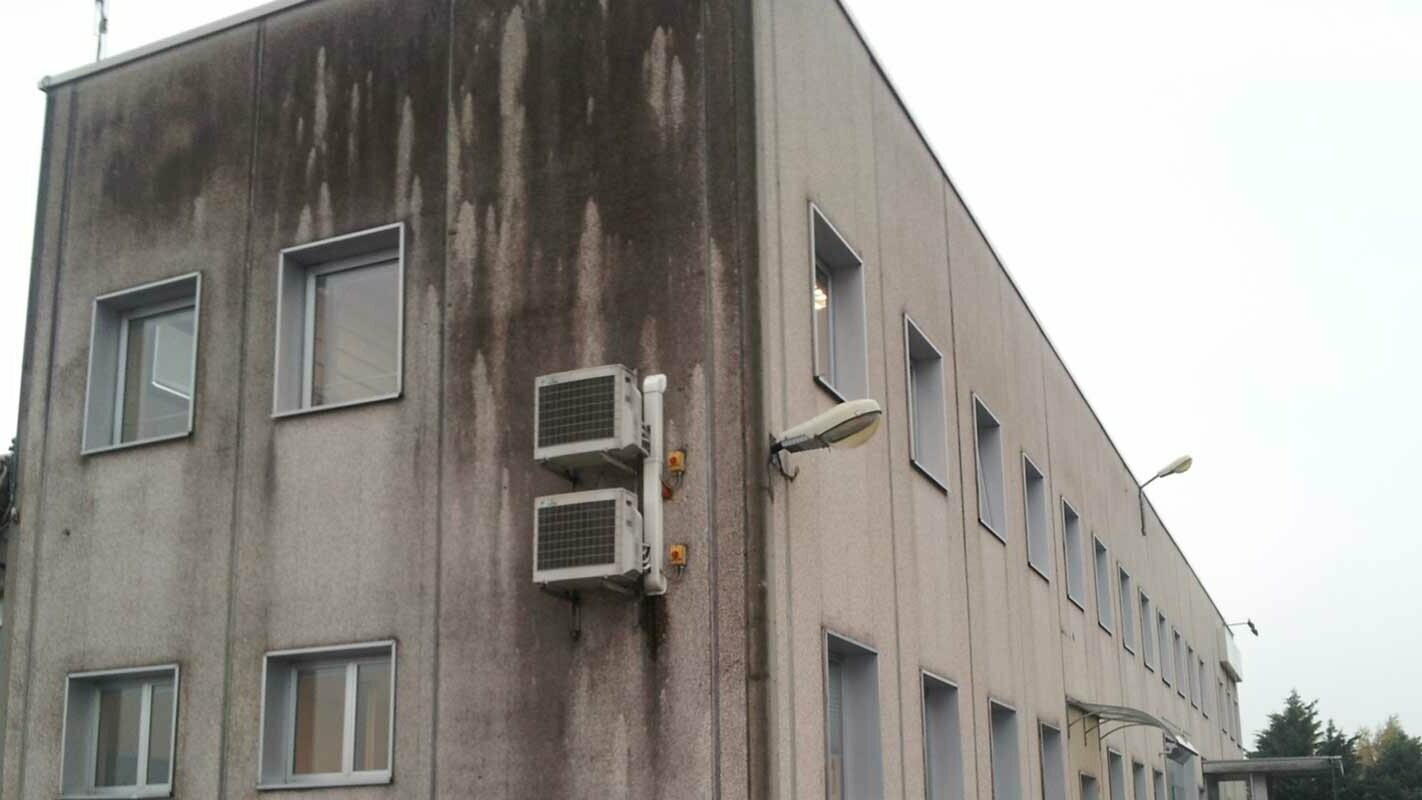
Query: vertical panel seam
(709, 353)
(948, 196)
(237, 458)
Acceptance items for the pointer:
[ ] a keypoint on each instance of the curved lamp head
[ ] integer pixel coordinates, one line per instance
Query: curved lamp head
(1179, 465)
(846, 425)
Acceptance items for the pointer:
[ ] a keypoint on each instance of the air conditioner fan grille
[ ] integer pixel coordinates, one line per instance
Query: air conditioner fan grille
(577, 535)
(577, 411)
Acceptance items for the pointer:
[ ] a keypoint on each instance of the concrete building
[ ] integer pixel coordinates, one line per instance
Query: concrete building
(295, 276)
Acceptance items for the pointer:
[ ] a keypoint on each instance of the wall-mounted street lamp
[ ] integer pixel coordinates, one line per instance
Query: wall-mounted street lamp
(1249, 623)
(1179, 465)
(846, 425)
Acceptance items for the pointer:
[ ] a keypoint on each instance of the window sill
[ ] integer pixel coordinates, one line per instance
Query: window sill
(1079, 605)
(328, 782)
(119, 794)
(1128, 648)
(1039, 572)
(114, 448)
(925, 472)
(1103, 626)
(1149, 666)
(302, 412)
(990, 529)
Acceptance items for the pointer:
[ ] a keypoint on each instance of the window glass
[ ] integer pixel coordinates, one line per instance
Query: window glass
(158, 375)
(120, 712)
(160, 734)
(320, 719)
(355, 334)
(372, 717)
(824, 323)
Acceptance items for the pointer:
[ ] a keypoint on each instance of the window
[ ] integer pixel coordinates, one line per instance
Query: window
(142, 360)
(1194, 666)
(1158, 778)
(328, 716)
(1053, 764)
(1089, 789)
(1182, 667)
(942, 741)
(853, 764)
(1222, 700)
(340, 321)
(118, 733)
(1138, 781)
(837, 303)
(1103, 585)
(1147, 635)
(1075, 555)
(928, 415)
(1128, 620)
(988, 438)
(1166, 662)
(1006, 775)
(1116, 775)
(1039, 529)
(1204, 688)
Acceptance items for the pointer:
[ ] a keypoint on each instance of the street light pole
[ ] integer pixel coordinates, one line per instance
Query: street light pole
(1179, 465)
(101, 8)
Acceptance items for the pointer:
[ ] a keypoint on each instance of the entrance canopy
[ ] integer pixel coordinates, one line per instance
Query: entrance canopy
(1300, 767)
(1122, 717)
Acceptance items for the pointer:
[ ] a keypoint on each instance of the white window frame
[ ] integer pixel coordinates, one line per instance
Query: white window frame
(1148, 629)
(863, 746)
(298, 268)
(1005, 757)
(992, 500)
(1054, 771)
(1115, 774)
(281, 713)
(951, 747)
(106, 378)
(1182, 667)
(1038, 516)
(1101, 565)
(92, 682)
(1074, 555)
(1126, 589)
(1167, 656)
(849, 330)
(929, 458)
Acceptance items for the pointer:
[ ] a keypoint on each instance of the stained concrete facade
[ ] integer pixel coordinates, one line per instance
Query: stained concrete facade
(580, 183)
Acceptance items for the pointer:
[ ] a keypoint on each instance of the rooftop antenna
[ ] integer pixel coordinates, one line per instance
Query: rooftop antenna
(101, 10)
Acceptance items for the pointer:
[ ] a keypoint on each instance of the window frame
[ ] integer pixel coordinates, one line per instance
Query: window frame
(1105, 611)
(114, 311)
(1011, 787)
(954, 735)
(979, 406)
(867, 767)
(918, 458)
(1058, 771)
(1167, 655)
(1042, 536)
(93, 681)
(1182, 682)
(1073, 587)
(352, 656)
(1148, 628)
(292, 366)
(845, 278)
(1126, 589)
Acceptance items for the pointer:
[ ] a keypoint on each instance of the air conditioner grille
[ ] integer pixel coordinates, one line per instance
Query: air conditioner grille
(577, 535)
(577, 411)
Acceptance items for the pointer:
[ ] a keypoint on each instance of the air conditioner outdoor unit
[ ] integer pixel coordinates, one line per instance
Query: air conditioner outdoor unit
(587, 417)
(586, 539)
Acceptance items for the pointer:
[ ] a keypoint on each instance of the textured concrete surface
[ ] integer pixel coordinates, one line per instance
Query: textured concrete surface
(576, 181)
(863, 545)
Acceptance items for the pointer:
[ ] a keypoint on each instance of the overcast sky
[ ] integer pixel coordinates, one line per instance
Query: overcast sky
(1218, 217)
